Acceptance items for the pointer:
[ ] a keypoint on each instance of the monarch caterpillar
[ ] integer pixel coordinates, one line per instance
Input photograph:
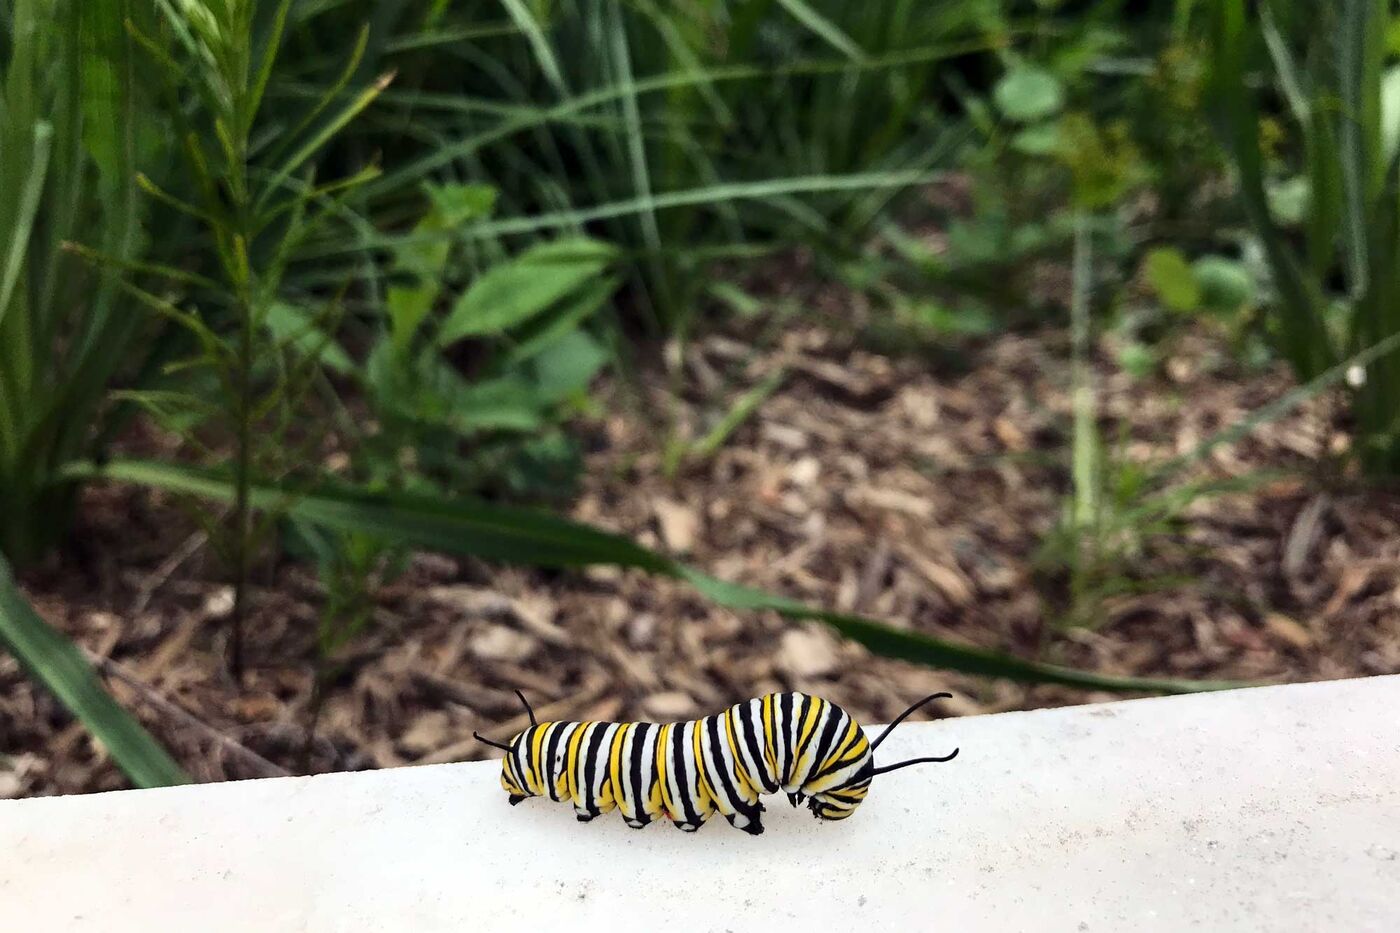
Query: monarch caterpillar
(808, 747)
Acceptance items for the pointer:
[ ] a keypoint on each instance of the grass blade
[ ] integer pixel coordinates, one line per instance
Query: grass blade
(524, 536)
(1359, 60)
(766, 189)
(820, 26)
(743, 409)
(54, 662)
(28, 207)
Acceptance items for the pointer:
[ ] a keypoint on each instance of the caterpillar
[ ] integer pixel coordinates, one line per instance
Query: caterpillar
(807, 747)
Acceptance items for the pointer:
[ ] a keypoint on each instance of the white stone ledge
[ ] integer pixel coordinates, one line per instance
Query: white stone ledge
(1269, 809)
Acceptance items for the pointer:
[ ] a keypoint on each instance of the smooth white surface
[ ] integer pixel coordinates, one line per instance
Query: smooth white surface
(1269, 809)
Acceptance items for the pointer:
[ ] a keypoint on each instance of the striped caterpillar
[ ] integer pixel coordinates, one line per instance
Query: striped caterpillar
(810, 748)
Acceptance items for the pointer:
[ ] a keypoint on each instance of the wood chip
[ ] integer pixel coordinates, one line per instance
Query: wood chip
(1288, 630)
(669, 706)
(890, 499)
(808, 652)
(679, 525)
(502, 643)
(429, 730)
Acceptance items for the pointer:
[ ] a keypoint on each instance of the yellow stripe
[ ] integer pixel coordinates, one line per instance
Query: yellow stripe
(849, 743)
(536, 775)
(572, 758)
(619, 786)
(809, 725)
(705, 788)
(768, 732)
(661, 742)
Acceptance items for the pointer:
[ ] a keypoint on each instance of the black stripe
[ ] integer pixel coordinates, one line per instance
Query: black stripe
(510, 769)
(528, 740)
(731, 789)
(551, 749)
(828, 738)
(804, 706)
(591, 766)
(751, 739)
(639, 793)
(844, 752)
(683, 796)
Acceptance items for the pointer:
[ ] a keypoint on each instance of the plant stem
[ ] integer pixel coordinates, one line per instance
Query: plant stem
(242, 513)
(1085, 468)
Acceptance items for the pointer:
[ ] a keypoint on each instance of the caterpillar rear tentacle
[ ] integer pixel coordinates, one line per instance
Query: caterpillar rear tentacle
(809, 748)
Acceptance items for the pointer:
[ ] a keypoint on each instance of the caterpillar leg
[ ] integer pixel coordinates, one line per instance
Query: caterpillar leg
(749, 823)
(639, 823)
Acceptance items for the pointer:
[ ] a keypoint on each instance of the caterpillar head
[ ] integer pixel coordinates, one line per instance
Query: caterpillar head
(837, 802)
(513, 773)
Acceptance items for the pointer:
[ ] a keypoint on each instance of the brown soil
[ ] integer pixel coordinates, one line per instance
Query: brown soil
(865, 483)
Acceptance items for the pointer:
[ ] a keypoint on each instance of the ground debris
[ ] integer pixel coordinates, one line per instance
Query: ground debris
(867, 484)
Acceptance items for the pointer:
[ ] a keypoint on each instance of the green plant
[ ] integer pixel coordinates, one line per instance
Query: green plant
(54, 662)
(1336, 284)
(524, 320)
(255, 204)
(528, 537)
(675, 133)
(69, 142)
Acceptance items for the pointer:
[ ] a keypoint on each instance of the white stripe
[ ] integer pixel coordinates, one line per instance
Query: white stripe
(601, 775)
(716, 760)
(649, 768)
(758, 768)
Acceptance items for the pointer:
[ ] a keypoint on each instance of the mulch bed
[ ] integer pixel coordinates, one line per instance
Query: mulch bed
(865, 483)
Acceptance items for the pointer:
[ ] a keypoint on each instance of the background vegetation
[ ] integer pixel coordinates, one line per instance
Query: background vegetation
(363, 263)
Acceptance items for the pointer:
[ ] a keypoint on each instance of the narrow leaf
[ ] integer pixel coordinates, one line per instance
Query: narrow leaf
(524, 536)
(24, 221)
(54, 662)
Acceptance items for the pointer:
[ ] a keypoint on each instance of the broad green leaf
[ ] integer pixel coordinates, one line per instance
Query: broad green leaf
(566, 316)
(425, 388)
(512, 293)
(506, 403)
(456, 204)
(524, 536)
(54, 662)
(1038, 139)
(1226, 285)
(567, 366)
(1026, 94)
(1172, 279)
(295, 327)
(424, 258)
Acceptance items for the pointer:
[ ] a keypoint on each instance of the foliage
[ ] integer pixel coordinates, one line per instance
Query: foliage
(69, 140)
(366, 258)
(255, 204)
(1335, 277)
(524, 536)
(675, 133)
(57, 664)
